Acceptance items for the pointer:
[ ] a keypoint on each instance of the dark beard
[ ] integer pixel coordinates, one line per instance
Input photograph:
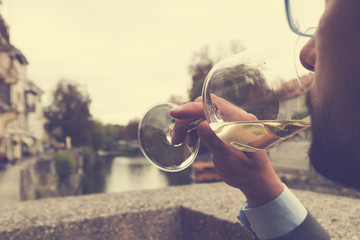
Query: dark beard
(332, 157)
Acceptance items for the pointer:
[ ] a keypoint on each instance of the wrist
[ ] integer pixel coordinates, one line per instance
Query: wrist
(264, 191)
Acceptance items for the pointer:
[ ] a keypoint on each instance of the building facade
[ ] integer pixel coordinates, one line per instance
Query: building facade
(21, 114)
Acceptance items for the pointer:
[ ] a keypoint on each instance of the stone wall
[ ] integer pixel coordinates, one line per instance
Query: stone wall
(198, 211)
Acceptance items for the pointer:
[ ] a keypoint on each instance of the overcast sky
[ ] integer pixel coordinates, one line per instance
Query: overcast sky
(132, 54)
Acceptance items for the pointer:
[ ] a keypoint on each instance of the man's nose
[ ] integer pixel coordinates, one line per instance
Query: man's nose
(308, 55)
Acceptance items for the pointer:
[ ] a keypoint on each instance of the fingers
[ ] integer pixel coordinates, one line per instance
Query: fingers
(192, 138)
(180, 131)
(185, 115)
(190, 111)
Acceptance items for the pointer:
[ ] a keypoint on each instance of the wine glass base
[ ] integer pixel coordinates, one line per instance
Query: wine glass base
(155, 140)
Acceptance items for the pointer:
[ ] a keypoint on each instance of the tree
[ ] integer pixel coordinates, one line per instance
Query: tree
(98, 136)
(69, 114)
(103, 137)
(132, 129)
(128, 132)
(200, 67)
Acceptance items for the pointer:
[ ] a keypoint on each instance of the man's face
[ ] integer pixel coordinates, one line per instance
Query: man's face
(334, 98)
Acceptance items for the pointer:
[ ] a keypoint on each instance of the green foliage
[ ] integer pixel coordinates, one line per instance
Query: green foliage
(111, 136)
(69, 114)
(198, 69)
(196, 90)
(65, 165)
(132, 129)
(103, 137)
(98, 137)
(88, 154)
(129, 132)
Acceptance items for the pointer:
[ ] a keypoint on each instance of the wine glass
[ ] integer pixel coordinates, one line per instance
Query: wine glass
(260, 82)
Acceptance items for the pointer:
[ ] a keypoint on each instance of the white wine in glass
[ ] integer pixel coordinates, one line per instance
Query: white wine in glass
(257, 135)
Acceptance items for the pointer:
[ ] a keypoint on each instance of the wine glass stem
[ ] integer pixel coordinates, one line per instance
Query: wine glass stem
(169, 131)
(193, 125)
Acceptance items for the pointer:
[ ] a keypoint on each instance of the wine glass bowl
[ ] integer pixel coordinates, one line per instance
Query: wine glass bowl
(250, 105)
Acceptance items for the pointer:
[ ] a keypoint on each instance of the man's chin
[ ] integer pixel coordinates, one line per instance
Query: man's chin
(329, 155)
(335, 162)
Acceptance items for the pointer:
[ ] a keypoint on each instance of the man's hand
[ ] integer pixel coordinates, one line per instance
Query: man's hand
(252, 172)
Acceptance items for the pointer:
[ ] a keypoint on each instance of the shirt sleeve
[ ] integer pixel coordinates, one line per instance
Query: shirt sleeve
(276, 218)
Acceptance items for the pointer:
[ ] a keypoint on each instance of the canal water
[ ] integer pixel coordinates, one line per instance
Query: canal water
(133, 174)
(121, 173)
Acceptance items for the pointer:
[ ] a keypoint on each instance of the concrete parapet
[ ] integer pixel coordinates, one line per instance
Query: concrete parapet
(198, 211)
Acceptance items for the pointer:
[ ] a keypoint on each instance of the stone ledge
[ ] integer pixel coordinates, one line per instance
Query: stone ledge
(199, 211)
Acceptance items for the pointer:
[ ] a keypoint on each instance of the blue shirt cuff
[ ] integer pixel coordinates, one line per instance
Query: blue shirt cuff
(276, 218)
